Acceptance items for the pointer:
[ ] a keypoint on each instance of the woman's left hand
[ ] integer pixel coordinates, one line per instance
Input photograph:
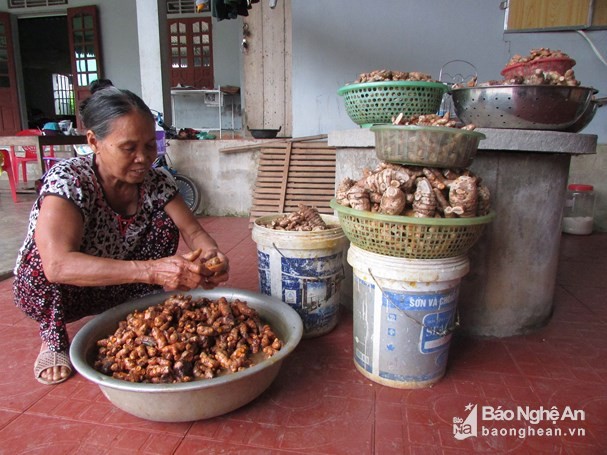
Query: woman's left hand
(215, 269)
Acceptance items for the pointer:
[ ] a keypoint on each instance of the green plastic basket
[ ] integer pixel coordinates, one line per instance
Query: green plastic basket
(372, 103)
(409, 237)
(434, 146)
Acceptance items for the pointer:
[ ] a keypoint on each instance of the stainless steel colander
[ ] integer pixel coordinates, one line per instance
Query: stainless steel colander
(533, 107)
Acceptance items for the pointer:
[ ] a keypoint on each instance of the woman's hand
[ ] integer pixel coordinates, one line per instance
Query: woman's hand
(215, 269)
(183, 273)
(197, 238)
(178, 273)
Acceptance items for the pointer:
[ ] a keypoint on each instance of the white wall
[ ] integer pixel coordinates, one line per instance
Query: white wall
(227, 55)
(120, 48)
(335, 41)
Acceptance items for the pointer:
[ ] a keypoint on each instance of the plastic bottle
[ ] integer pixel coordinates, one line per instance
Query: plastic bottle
(578, 214)
(160, 140)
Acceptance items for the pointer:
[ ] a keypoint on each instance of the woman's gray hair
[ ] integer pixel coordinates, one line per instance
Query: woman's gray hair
(104, 106)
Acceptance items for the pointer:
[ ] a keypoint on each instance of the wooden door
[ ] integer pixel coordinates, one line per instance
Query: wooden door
(267, 67)
(85, 51)
(10, 121)
(191, 52)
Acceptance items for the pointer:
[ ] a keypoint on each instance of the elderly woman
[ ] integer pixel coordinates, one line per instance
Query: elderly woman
(105, 229)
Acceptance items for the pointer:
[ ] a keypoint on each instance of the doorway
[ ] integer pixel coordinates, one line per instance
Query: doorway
(46, 68)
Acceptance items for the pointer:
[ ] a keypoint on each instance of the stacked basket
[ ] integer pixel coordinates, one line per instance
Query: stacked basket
(375, 101)
(412, 237)
(407, 269)
(371, 103)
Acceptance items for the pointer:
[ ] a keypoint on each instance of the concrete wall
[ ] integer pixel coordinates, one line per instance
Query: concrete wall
(333, 42)
(225, 180)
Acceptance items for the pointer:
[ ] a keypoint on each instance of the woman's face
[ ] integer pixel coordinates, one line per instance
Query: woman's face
(127, 153)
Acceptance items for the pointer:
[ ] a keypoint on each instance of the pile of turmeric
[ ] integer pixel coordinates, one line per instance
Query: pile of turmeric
(392, 75)
(539, 76)
(537, 54)
(416, 191)
(184, 339)
(304, 219)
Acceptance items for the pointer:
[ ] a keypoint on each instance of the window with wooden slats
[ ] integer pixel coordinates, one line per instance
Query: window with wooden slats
(34, 3)
(184, 7)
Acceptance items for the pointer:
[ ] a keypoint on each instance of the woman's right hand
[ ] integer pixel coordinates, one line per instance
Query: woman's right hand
(178, 273)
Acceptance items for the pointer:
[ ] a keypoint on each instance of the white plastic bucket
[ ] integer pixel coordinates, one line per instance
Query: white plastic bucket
(304, 270)
(404, 314)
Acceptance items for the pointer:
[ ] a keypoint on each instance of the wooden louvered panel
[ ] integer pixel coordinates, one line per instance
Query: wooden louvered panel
(294, 172)
(298, 171)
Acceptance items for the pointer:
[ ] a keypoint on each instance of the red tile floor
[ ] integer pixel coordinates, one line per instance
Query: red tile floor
(320, 404)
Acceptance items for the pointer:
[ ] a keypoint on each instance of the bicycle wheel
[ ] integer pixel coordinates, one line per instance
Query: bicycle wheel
(188, 190)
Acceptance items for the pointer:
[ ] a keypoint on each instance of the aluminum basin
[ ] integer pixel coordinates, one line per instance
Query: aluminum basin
(196, 400)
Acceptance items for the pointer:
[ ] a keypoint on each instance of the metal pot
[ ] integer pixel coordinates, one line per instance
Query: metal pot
(535, 107)
(264, 133)
(188, 401)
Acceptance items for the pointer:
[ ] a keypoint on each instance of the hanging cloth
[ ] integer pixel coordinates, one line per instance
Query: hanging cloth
(229, 9)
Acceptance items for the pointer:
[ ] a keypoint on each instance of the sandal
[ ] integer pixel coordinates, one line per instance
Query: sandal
(48, 359)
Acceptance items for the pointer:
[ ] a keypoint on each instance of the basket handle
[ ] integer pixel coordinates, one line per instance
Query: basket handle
(458, 77)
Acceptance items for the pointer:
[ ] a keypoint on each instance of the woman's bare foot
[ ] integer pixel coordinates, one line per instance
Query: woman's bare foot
(55, 373)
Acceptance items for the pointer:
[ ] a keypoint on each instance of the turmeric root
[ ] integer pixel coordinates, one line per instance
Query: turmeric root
(484, 200)
(214, 264)
(341, 195)
(312, 216)
(463, 194)
(393, 200)
(359, 198)
(424, 203)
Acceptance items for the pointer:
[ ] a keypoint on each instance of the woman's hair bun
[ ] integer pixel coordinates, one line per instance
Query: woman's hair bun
(100, 84)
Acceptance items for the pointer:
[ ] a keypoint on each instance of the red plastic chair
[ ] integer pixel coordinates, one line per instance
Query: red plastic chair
(30, 155)
(8, 168)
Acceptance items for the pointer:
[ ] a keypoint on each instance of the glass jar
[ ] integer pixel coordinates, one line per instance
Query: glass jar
(578, 214)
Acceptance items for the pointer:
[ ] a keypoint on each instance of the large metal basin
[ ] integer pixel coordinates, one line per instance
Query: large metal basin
(534, 107)
(201, 399)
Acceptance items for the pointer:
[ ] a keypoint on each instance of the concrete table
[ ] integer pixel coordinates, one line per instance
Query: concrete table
(510, 287)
